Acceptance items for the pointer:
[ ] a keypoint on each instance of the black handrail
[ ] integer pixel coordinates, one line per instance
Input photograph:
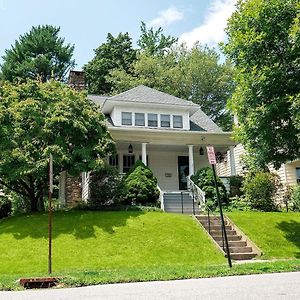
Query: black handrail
(193, 203)
(181, 203)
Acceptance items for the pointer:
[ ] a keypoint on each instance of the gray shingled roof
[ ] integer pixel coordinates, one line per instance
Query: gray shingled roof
(199, 121)
(144, 94)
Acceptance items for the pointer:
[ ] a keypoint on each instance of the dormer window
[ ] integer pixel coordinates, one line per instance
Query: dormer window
(139, 119)
(165, 121)
(177, 122)
(152, 120)
(126, 118)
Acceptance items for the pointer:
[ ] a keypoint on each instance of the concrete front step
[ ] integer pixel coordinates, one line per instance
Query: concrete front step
(205, 218)
(240, 249)
(230, 238)
(242, 256)
(217, 227)
(219, 232)
(233, 243)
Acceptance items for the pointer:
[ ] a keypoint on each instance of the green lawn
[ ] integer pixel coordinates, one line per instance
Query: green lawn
(277, 234)
(103, 240)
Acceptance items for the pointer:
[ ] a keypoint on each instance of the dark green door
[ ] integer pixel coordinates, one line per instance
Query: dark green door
(183, 171)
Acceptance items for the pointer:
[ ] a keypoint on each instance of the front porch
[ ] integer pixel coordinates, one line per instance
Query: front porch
(171, 155)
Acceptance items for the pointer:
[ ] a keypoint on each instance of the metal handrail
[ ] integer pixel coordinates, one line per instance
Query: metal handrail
(196, 193)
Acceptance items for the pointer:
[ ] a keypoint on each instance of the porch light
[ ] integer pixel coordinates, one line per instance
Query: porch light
(201, 151)
(130, 149)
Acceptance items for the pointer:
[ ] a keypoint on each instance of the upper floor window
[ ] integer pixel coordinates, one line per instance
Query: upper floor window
(165, 121)
(139, 119)
(298, 175)
(177, 122)
(152, 120)
(126, 118)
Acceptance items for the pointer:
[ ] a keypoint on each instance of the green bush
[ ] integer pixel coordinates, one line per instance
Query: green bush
(140, 185)
(235, 183)
(106, 187)
(5, 207)
(260, 189)
(205, 180)
(238, 204)
(295, 198)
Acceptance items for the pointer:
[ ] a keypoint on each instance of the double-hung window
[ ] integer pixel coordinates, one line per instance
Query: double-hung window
(165, 121)
(177, 121)
(152, 120)
(298, 175)
(128, 162)
(126, 118)
(139, 119)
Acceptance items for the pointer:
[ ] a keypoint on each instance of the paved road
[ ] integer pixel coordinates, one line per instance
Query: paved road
(266, 286)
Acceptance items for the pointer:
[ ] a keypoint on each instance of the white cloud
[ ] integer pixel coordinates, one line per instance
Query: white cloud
(211, 32)
(166, 17)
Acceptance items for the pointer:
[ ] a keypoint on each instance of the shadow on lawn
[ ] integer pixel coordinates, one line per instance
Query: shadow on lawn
(82, 224)
(292, 233)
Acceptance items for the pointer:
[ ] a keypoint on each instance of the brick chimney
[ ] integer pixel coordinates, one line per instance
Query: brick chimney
(77, 80)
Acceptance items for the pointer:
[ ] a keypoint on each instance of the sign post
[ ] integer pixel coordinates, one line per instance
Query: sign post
(212, 160)
(50, 214)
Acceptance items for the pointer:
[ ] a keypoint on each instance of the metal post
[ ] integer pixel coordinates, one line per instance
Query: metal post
(181, 203)
(208, 218)
(222, 217)
(50, 214)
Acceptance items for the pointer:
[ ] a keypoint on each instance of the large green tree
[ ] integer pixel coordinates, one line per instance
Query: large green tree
(154, 42)
(194, 74)
(37, 119)
(40, 53)
(116, 52)
(264, 45)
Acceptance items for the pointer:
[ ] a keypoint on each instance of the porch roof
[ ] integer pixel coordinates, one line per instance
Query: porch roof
(170, 137)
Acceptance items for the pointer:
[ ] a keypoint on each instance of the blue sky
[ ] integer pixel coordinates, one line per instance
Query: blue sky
(86, 23)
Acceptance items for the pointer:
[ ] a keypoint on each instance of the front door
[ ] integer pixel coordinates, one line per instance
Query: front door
(183, 171)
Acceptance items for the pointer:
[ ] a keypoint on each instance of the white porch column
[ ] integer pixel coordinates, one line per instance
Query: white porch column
(232, 161)
(144, 153)
(191, 160)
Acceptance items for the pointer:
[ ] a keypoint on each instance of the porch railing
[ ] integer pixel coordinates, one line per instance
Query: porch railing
(196, 193)
(161, 198)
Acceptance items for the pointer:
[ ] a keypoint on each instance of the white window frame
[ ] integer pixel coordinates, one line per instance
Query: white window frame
(135, 119)
(176, 116)
(122, 118)
(162, 116)
(153, 114)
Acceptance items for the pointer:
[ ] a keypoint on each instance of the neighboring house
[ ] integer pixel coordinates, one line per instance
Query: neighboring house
(289, 173)
(167, 133)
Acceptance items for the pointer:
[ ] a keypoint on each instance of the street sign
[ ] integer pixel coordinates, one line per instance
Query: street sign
(211, 155)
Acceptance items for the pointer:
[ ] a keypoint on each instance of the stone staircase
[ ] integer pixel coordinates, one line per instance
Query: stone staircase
(239, 246)
(179, 202)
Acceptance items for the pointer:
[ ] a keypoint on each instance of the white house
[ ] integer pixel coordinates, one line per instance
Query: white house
(167, 133)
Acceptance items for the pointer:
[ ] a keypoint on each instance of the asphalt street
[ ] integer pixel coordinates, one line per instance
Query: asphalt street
(265, 286)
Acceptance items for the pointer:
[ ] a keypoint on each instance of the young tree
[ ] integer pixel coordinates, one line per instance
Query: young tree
(37, 119)
(117, 52)
(154, 42)
(264, 45)
(41, 53)
(194, 74)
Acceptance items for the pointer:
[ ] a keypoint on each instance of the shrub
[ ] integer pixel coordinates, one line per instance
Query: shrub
(260, 190)
(205, 180)
(236, 183)
(106, 186)
(5, 207)
(238, 204)
(295, 198)
(140, 185)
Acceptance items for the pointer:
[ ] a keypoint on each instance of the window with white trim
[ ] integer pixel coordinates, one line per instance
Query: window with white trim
(114, 160)
(139, 119)
(298, 175)
(165, 121)
(152, 120)
(177, 121)
(126, 118)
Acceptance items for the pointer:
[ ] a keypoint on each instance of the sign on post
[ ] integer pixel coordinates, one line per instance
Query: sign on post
(211, 155)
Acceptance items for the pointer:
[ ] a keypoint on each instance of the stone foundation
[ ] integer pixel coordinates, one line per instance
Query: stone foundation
(73, 191)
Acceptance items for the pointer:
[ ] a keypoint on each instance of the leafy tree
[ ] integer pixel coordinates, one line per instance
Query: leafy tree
(264, 45)
(194, 74)
(41, 53)
(37, 119)
(117, 52)
(154, 42)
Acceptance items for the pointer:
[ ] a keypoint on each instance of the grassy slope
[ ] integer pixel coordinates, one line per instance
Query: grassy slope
(103, 240)
(276, 234)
